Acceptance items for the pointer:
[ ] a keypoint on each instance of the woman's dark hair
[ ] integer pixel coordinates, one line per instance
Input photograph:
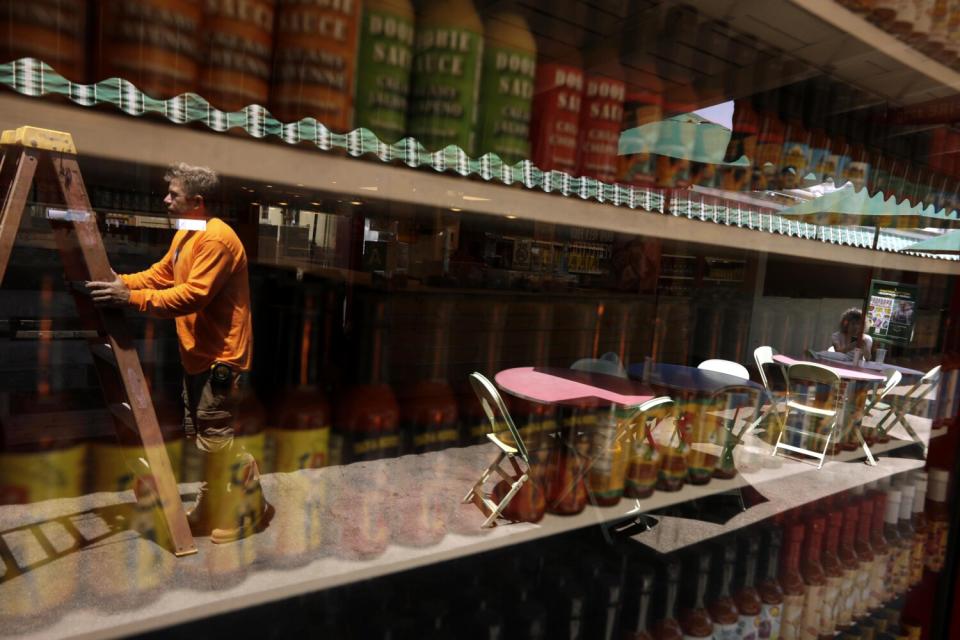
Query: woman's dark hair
(853, 314)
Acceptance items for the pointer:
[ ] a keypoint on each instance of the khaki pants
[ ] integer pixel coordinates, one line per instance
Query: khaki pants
(210, 407)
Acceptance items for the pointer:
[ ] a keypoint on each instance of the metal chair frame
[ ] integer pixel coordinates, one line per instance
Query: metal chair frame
(901, 406)
(817, 374)
(492, 404)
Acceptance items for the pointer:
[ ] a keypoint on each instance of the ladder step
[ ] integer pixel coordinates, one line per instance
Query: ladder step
(123, 412)
(105, 352)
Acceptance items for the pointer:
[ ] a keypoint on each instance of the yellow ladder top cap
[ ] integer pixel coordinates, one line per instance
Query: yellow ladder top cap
(36, 138)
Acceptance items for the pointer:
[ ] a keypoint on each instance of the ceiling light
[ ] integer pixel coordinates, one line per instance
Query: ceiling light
(511, 217)
(455, 209)
(370, 188)
(355, 202)
(316, 204)
(282, 204)
(476, 199)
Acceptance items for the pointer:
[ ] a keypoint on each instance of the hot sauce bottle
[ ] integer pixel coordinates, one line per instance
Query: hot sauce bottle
(601, 116)
(907, 534)
(695, 619)
(864, 555)
(558, 95)
(771, 594)
(747, 597)
(668, 627)
(939, 516)
(791, 581)
(833, 571)
(849, 595)
(723, 609)
(815, 580)
(892, 533)
(921, 529)
(642, 113)
(640, 628)
(881, 551)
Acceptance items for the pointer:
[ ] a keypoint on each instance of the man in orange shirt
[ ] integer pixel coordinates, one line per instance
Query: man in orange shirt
(202, 283)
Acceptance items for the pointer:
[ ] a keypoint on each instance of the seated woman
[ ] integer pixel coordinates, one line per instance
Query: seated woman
(848, 337)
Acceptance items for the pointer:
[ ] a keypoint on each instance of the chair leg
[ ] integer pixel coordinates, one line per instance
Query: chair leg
(504, 502)
(866, 449)
(826, 447)
(902, 419)
(475, 491)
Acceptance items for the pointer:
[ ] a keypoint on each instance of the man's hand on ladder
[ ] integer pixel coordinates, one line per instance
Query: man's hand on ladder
(112, 293)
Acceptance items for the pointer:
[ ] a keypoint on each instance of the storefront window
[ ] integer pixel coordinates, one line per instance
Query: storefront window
(394, 318)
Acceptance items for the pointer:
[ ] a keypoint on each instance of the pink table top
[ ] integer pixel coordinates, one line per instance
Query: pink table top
(845, 372)
(566, 386)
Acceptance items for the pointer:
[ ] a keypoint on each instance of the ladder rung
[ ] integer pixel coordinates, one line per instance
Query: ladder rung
(124, 413)
(105, 352)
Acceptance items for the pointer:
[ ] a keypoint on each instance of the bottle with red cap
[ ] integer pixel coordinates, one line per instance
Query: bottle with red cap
(833, 572)
(723, 608)
(907, 534)
(747, 597)
(557, 101)
(642, 114)
(864, 551)
(814, 578)
(668, 627)
(938, 515)
(771, 594)
(881, 550)
(601, 115)
(892, 533)
(791, 581)
(920, 528)
(695, 620)
(849, 594)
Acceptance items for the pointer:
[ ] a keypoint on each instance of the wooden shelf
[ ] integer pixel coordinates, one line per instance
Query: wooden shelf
(117, 137)
(302, 550)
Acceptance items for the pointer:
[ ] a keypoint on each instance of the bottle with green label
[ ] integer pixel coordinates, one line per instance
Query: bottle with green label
(445, 83)
(506, 89)
(383, 67)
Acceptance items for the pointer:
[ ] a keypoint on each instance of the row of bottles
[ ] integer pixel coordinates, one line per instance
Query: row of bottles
(831, 569)
(931, 26)
(447, 75)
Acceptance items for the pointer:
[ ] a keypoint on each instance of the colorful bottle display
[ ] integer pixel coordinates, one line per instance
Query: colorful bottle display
(384, 62)
(507, 87)
(445, 82)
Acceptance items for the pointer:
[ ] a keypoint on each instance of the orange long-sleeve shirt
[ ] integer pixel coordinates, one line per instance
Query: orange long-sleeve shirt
(202, 282)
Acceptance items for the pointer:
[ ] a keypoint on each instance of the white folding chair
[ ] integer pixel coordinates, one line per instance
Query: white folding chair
(492, 405)
(728, 367)
(763, 356)
(735, 370)
(806, 384)
(897, 407)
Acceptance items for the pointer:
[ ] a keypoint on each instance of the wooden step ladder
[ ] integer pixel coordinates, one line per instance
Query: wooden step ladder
(51, 158)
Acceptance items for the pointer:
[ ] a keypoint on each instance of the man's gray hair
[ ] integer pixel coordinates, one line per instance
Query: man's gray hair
(196, 181)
